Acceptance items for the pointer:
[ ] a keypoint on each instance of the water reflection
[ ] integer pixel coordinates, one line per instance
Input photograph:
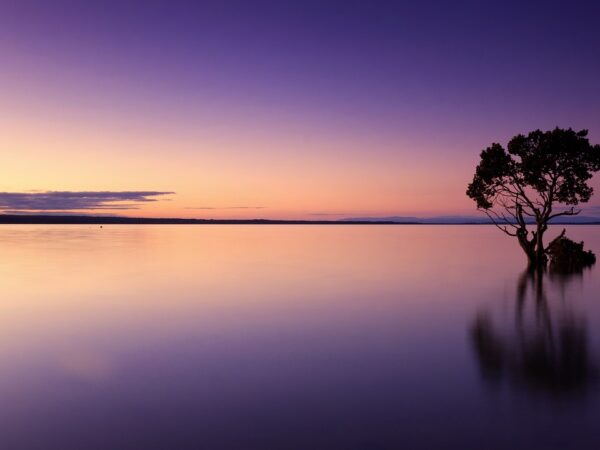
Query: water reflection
(546, 348)
(226, 337)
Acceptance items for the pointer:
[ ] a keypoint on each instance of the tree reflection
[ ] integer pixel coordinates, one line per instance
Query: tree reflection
(543, 351)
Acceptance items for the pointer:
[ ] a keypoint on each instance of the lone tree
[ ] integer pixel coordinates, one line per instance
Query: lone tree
(542, 176)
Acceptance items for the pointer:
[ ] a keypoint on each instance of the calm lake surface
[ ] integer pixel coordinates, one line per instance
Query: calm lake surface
(293, 337)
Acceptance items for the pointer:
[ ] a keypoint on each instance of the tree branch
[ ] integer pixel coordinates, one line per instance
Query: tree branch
(503, 228)
(570, 212)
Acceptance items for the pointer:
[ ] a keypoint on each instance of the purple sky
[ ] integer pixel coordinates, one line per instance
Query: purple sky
(420, 85)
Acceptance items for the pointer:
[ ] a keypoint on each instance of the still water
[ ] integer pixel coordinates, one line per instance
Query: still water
(292, 337)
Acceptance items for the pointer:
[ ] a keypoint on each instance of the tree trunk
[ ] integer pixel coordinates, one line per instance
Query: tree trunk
(528, 247)
(540, 251)
(534, 247)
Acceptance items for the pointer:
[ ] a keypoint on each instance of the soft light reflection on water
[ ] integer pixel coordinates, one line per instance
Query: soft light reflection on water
(272, 337)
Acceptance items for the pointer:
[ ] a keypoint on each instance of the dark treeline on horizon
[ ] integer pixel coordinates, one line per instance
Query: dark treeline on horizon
(119, 220)
(101, 220)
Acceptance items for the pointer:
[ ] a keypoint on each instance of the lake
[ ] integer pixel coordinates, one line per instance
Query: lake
(293, 337)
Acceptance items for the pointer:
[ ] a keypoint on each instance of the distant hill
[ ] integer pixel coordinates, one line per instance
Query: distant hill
(422, 220)
(463, 220)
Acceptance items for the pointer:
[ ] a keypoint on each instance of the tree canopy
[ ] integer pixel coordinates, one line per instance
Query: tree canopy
(539, 177)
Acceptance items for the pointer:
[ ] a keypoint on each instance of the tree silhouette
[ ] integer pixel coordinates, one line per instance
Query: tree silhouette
(527, 183)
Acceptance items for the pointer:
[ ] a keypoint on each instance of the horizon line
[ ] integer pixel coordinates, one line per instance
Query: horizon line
(66, 219)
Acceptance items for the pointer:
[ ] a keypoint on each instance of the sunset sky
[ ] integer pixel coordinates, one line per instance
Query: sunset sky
(308, 109)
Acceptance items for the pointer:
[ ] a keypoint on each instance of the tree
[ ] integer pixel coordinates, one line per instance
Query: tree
(540, 177)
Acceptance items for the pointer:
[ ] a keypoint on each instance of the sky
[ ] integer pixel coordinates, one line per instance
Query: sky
(281, 109)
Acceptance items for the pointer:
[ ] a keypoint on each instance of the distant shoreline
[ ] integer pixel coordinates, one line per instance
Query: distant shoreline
(15, 219)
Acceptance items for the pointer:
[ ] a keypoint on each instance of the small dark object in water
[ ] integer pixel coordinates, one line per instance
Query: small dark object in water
(569, 256)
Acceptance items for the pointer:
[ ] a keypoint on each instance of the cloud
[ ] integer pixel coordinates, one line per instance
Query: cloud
(57, 213)
(224, 207)
(75, 200)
